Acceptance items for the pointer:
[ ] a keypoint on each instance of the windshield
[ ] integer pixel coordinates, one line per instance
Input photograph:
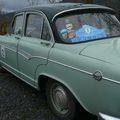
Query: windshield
(87, 27)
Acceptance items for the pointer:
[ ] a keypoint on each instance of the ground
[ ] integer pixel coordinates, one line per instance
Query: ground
(19, 101)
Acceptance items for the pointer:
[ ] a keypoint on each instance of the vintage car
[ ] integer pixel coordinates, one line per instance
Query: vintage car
(71, 52)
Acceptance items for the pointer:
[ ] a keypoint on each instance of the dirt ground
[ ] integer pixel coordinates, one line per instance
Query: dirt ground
(19, 101)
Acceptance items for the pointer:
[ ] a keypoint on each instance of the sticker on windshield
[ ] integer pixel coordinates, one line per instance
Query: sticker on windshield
(3, 51)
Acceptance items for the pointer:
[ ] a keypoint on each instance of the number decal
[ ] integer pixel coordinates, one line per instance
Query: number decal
(3, 51)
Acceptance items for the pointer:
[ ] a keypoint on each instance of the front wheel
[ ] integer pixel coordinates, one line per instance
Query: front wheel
(61, 101)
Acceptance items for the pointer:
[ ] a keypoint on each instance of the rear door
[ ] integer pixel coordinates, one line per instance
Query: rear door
(34, 47)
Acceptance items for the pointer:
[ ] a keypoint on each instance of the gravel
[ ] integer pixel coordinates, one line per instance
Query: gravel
(19, 101)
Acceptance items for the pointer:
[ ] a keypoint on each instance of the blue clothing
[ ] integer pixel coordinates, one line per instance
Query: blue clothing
(88, 33)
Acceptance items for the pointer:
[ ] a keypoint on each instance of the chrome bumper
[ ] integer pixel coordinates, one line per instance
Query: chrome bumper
(107, 117)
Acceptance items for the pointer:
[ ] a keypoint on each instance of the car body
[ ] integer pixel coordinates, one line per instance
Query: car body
(73, 63)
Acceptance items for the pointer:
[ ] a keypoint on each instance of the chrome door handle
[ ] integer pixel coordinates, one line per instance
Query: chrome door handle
(45, 43)
(17, 37)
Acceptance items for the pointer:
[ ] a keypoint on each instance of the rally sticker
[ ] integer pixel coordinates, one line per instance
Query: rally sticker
(3, 51)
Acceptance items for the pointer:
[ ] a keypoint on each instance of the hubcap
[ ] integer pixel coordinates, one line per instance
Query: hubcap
(59, 99)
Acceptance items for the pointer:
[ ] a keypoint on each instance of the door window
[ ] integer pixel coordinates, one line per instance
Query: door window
(46, 35)
(17, 24)
(34, 25)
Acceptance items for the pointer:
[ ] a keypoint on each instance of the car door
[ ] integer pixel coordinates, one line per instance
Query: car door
(9, 48)
(34, 47)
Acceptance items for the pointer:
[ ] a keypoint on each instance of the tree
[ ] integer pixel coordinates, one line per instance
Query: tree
(1, 6)
(89, 1)
(33, 2)
(36, 2)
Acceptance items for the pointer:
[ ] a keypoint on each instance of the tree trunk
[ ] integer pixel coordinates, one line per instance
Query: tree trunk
(33, 2)
(88, 1)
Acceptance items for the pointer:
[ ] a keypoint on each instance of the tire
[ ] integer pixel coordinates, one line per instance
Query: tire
(61, 101)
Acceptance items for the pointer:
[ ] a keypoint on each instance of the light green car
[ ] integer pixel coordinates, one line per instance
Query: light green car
(71, 52)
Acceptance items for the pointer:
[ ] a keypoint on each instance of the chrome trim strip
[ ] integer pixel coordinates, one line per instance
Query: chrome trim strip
(37, 57)
(23, 55)
(83, 71)
(31, 57)
(107, 117)
(24, 52)
(79, 70)
(19, 76)
(10, 49)
(17, 71)
(7, 47)
(110, 80)
(64, 12)
(82, 8)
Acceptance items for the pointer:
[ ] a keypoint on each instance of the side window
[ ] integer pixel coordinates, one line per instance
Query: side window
(17, 24)
(34, 24)
(46, 35)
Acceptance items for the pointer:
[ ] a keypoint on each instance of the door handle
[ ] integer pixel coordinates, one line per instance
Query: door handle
(45, 43)
(17, 37)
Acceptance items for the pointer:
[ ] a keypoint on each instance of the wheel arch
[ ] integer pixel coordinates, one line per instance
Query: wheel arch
(42, 80)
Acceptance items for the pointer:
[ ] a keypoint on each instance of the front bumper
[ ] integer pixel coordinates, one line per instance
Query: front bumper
(107, 117)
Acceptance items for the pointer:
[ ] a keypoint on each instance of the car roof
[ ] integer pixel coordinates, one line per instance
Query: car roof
(52, 10)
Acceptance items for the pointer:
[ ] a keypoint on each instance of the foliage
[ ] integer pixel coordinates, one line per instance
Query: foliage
(5, 21)
(33, 2)
(1, 6)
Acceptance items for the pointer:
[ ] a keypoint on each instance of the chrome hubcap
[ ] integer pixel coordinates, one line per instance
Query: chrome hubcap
(59, 99)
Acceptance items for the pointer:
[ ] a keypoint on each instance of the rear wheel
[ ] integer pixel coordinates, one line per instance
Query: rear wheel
(61, 101)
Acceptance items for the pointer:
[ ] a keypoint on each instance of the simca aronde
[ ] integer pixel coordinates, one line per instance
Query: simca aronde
(70, 51)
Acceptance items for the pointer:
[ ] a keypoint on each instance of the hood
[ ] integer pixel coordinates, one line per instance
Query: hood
(107, 50)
